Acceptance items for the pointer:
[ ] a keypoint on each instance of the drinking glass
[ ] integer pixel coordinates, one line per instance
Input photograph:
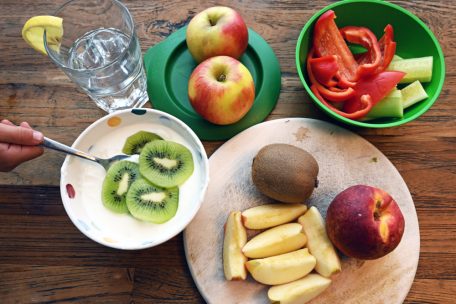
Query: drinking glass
(100, 52)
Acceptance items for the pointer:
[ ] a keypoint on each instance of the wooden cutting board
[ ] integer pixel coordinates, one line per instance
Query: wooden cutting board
(345, 159)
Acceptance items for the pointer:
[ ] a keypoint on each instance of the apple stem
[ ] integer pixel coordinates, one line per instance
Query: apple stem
(212, 22)
(221, 78)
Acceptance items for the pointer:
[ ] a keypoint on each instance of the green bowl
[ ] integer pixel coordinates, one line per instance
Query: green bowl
(413, 37)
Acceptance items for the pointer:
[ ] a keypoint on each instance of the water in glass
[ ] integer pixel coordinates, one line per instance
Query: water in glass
(112, 69)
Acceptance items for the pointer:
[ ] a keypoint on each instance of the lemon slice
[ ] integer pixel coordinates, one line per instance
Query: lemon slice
(33, 31)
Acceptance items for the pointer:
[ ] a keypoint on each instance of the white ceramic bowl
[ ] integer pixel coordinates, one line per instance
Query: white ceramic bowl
(81, 180)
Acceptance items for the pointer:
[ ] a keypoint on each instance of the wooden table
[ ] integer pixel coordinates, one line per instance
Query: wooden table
(44, 258)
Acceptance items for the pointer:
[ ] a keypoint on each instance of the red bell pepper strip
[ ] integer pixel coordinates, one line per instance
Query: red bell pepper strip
(335, 96)
(377, 86)
(336, 89)
(366, 105)
(325, 70)
(363, 36)
(344, 83)
(328, 41)
(387, 47)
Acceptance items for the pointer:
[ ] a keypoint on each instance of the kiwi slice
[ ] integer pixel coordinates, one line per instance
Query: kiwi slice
(151, 203)
(135, 142)
(118, 180)
(166, 163)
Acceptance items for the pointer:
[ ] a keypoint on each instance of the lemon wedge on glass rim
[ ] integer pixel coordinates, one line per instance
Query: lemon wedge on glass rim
(33, 31)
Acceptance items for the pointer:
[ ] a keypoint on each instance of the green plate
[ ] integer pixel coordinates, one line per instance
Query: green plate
(168, 68)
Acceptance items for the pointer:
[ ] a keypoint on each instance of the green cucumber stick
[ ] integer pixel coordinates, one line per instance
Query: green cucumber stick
(390, 106)
(414, 69)
(412, 94)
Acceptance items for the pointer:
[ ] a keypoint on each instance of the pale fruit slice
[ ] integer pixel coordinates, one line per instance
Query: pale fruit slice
(270, 215)
(282, 268)
(235, 239)
(300, 291)
(319, 245)
(33, 31)
(275, 241)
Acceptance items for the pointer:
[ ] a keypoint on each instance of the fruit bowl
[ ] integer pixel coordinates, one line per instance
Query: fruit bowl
(81, 180)
(413, 37)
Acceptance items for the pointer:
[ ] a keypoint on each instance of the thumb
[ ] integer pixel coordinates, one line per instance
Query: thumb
(20, 135)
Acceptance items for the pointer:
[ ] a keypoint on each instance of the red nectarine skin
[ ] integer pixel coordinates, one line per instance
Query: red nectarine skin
(364, 222)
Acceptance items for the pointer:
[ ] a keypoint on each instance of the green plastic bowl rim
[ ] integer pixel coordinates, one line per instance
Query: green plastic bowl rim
(431, 100)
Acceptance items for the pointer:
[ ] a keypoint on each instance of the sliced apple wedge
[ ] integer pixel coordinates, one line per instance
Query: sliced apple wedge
(300, 291)
(235, 239)
(281, 269)
(270, 215)
(278, 240)
(319, 245)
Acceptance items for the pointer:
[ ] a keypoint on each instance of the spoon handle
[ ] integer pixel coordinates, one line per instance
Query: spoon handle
(55, 145)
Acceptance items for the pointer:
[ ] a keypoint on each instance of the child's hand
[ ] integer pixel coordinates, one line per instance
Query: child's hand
(18, 144)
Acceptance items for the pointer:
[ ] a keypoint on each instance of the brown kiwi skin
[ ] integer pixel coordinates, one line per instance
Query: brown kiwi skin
(285, 173)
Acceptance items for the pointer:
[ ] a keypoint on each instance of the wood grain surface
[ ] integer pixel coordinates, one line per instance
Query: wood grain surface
(44, 258)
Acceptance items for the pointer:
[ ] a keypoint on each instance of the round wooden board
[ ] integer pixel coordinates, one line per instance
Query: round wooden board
(345, 159)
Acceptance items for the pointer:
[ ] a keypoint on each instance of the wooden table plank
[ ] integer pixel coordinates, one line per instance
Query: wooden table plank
(32, 284)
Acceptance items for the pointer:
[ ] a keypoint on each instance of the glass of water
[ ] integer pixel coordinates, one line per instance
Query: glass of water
(100, 52)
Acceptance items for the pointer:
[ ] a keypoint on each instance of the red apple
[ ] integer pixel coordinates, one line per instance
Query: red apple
(217, 31)
(364, 222)
(221, 90)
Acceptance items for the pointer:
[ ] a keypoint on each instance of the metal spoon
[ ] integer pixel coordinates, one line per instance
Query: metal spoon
(55, 145)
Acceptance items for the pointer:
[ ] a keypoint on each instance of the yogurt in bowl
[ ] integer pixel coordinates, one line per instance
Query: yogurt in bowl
(81, 180)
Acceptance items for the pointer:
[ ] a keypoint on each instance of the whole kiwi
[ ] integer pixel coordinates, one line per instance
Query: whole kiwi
(285, 173)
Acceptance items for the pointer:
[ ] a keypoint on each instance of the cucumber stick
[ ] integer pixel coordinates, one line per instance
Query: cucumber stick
(412, 94)
(396, 57)
(415, 68)
(390, 106)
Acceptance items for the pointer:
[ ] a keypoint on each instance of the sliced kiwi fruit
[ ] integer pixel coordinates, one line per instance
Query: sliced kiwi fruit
(116, 184)
(166, 163)
(151, 203)
(136, 142)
